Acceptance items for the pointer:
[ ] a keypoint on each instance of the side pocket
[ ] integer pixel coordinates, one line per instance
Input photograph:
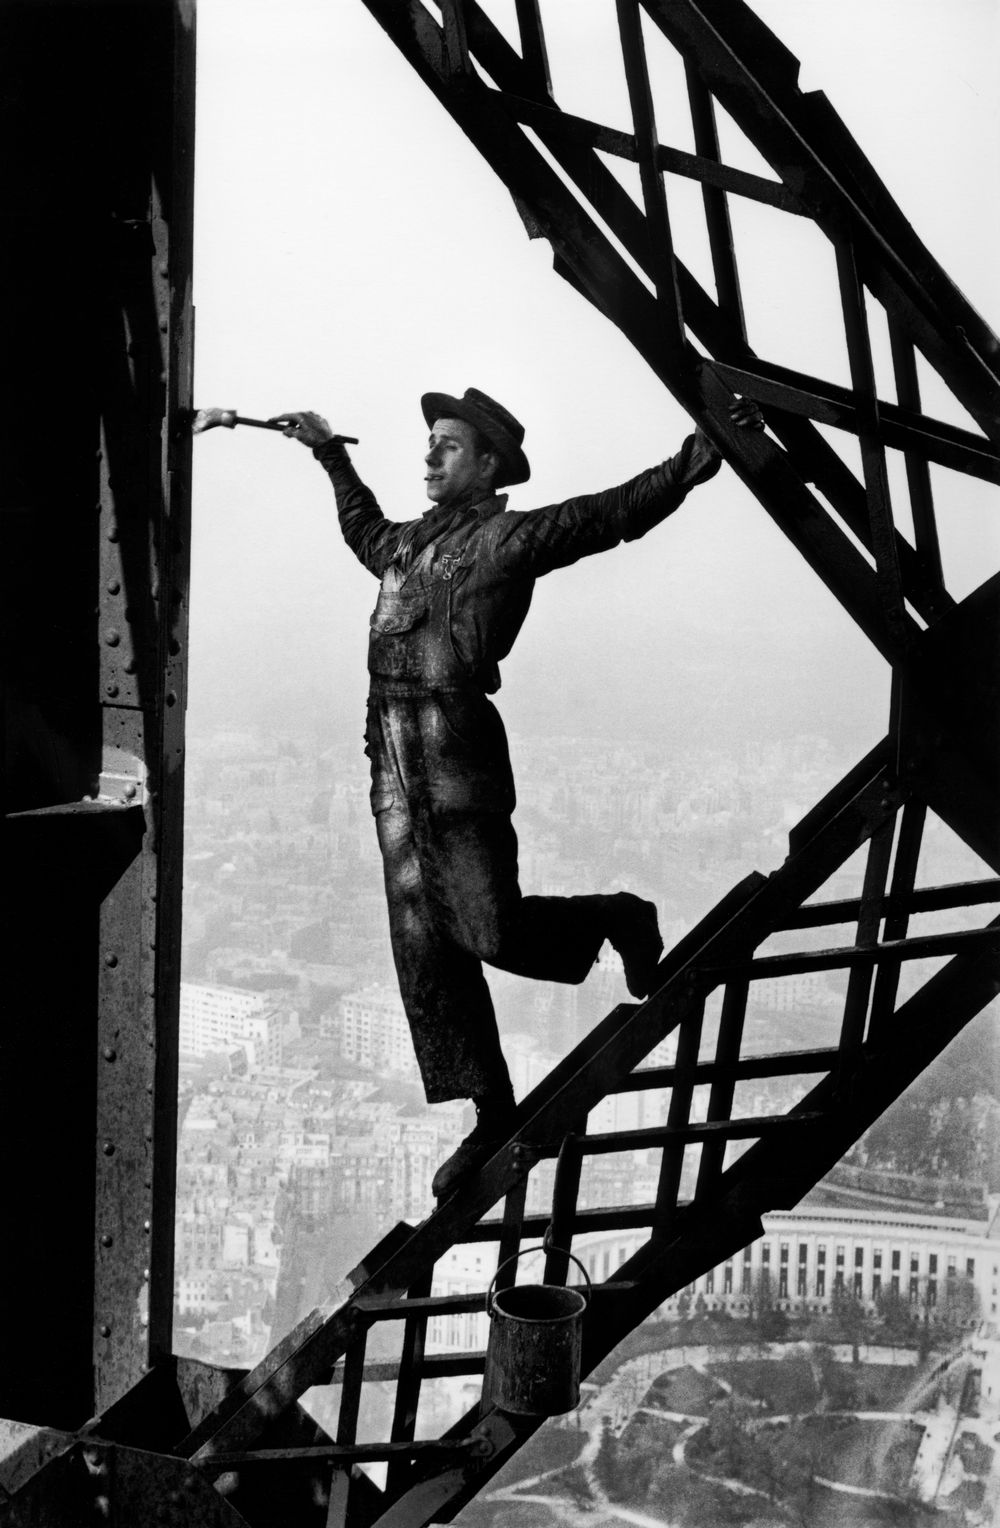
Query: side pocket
(381, 794)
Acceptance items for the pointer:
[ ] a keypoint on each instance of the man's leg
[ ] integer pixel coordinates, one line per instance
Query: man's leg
(444, 992)
(554, 939)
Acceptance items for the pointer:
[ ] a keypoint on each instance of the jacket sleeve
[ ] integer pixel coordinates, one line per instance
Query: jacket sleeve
(537, 541)
(371, 537)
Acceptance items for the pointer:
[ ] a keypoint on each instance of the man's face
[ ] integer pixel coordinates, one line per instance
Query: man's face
(454, 464)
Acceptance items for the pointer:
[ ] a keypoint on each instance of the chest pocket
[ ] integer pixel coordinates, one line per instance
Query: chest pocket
(398, 635)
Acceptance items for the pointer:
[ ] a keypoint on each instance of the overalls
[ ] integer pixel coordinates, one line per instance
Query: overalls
(442, 794)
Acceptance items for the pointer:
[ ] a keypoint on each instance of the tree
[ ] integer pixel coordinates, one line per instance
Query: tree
(959, 1307)
(772, 1323)
(606, 1466)
(895, 1315)
(847, 1315)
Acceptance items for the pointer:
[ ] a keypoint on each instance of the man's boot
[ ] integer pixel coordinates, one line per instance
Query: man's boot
(494, 1124)
(634, 931)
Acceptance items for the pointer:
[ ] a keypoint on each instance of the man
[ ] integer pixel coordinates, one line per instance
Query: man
(455, 588)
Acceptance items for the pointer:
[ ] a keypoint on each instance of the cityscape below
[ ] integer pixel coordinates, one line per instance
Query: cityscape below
(304, 1135)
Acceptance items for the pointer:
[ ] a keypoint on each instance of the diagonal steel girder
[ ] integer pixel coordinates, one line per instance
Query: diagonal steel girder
(585, 254)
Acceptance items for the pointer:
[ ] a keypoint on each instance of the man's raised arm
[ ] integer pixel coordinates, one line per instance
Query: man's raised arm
(537, 541)
(371, 537)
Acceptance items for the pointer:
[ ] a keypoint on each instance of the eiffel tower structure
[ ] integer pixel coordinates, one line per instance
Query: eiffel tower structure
(104, 1420)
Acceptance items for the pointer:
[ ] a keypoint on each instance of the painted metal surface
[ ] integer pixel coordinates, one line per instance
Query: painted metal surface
(100, 191)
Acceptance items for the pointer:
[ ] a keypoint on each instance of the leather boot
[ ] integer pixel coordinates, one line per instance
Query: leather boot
(634, 931)
(494, 1124)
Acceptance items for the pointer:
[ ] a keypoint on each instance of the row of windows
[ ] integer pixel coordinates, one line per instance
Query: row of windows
(886, 1272)
(878, 1259)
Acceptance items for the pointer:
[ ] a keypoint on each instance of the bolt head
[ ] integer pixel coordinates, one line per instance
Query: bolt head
(111, 690)
(109, 1148)
(129, 791)
(113, 586)
(111, 959)
(109, 1053)
(106, 1240)
(112, 637)
(105, 1330)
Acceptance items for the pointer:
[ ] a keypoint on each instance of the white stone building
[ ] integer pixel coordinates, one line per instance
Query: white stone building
(226, 1019)
(807, 1253)
(371, 1030)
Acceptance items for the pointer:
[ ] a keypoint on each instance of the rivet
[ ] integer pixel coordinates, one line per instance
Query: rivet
(130, 791)
(109, 1148)
(105, 1330)
(171, 697)
(163, 376)
(164, 325)
(111, 689)
(148, 1134)
(149, 1087)
(112, 533)
(106, 1240)
(111, 959)
(113, 586)
(112, 637)
(145, 1274)
(885, 804)
(150, 1040)
(99, 455)
(109, 1054)
(146, 1225)
(129, 666)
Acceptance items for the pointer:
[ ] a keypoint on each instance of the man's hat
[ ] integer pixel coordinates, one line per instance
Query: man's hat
(500, 428)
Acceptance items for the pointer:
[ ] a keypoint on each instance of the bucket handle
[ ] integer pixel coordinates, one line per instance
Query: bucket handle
(543, 1246)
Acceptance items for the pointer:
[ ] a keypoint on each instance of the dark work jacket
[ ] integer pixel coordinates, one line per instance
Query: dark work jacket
(456, 585)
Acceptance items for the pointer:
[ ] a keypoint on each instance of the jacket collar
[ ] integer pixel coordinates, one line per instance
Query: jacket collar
(438, 516)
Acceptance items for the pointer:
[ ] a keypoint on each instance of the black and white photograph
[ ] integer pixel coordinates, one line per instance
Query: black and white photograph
(502, 710)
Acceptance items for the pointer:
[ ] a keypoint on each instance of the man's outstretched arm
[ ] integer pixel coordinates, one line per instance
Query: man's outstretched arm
(371, 537)
(540, 540)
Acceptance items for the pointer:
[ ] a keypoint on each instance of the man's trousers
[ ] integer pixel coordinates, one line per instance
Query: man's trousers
(454, 902)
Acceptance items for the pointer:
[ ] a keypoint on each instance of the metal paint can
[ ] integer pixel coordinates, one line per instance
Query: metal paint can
(536, 1335)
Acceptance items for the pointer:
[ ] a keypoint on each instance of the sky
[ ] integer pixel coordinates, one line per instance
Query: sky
(353, 250)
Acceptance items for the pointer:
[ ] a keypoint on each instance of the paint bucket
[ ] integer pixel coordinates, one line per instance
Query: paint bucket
(533, 1355)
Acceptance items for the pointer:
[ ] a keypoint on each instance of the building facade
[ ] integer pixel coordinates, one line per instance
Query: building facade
(370, 1029)
(807, 1256)
(225, 1019)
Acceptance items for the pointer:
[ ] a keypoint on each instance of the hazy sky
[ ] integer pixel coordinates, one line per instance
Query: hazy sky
(353, 251)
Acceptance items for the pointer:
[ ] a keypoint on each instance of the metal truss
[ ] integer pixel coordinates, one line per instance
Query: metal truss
(248, 1434)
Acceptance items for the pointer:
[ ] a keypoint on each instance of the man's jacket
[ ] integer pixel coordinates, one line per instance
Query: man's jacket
(456, 585)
